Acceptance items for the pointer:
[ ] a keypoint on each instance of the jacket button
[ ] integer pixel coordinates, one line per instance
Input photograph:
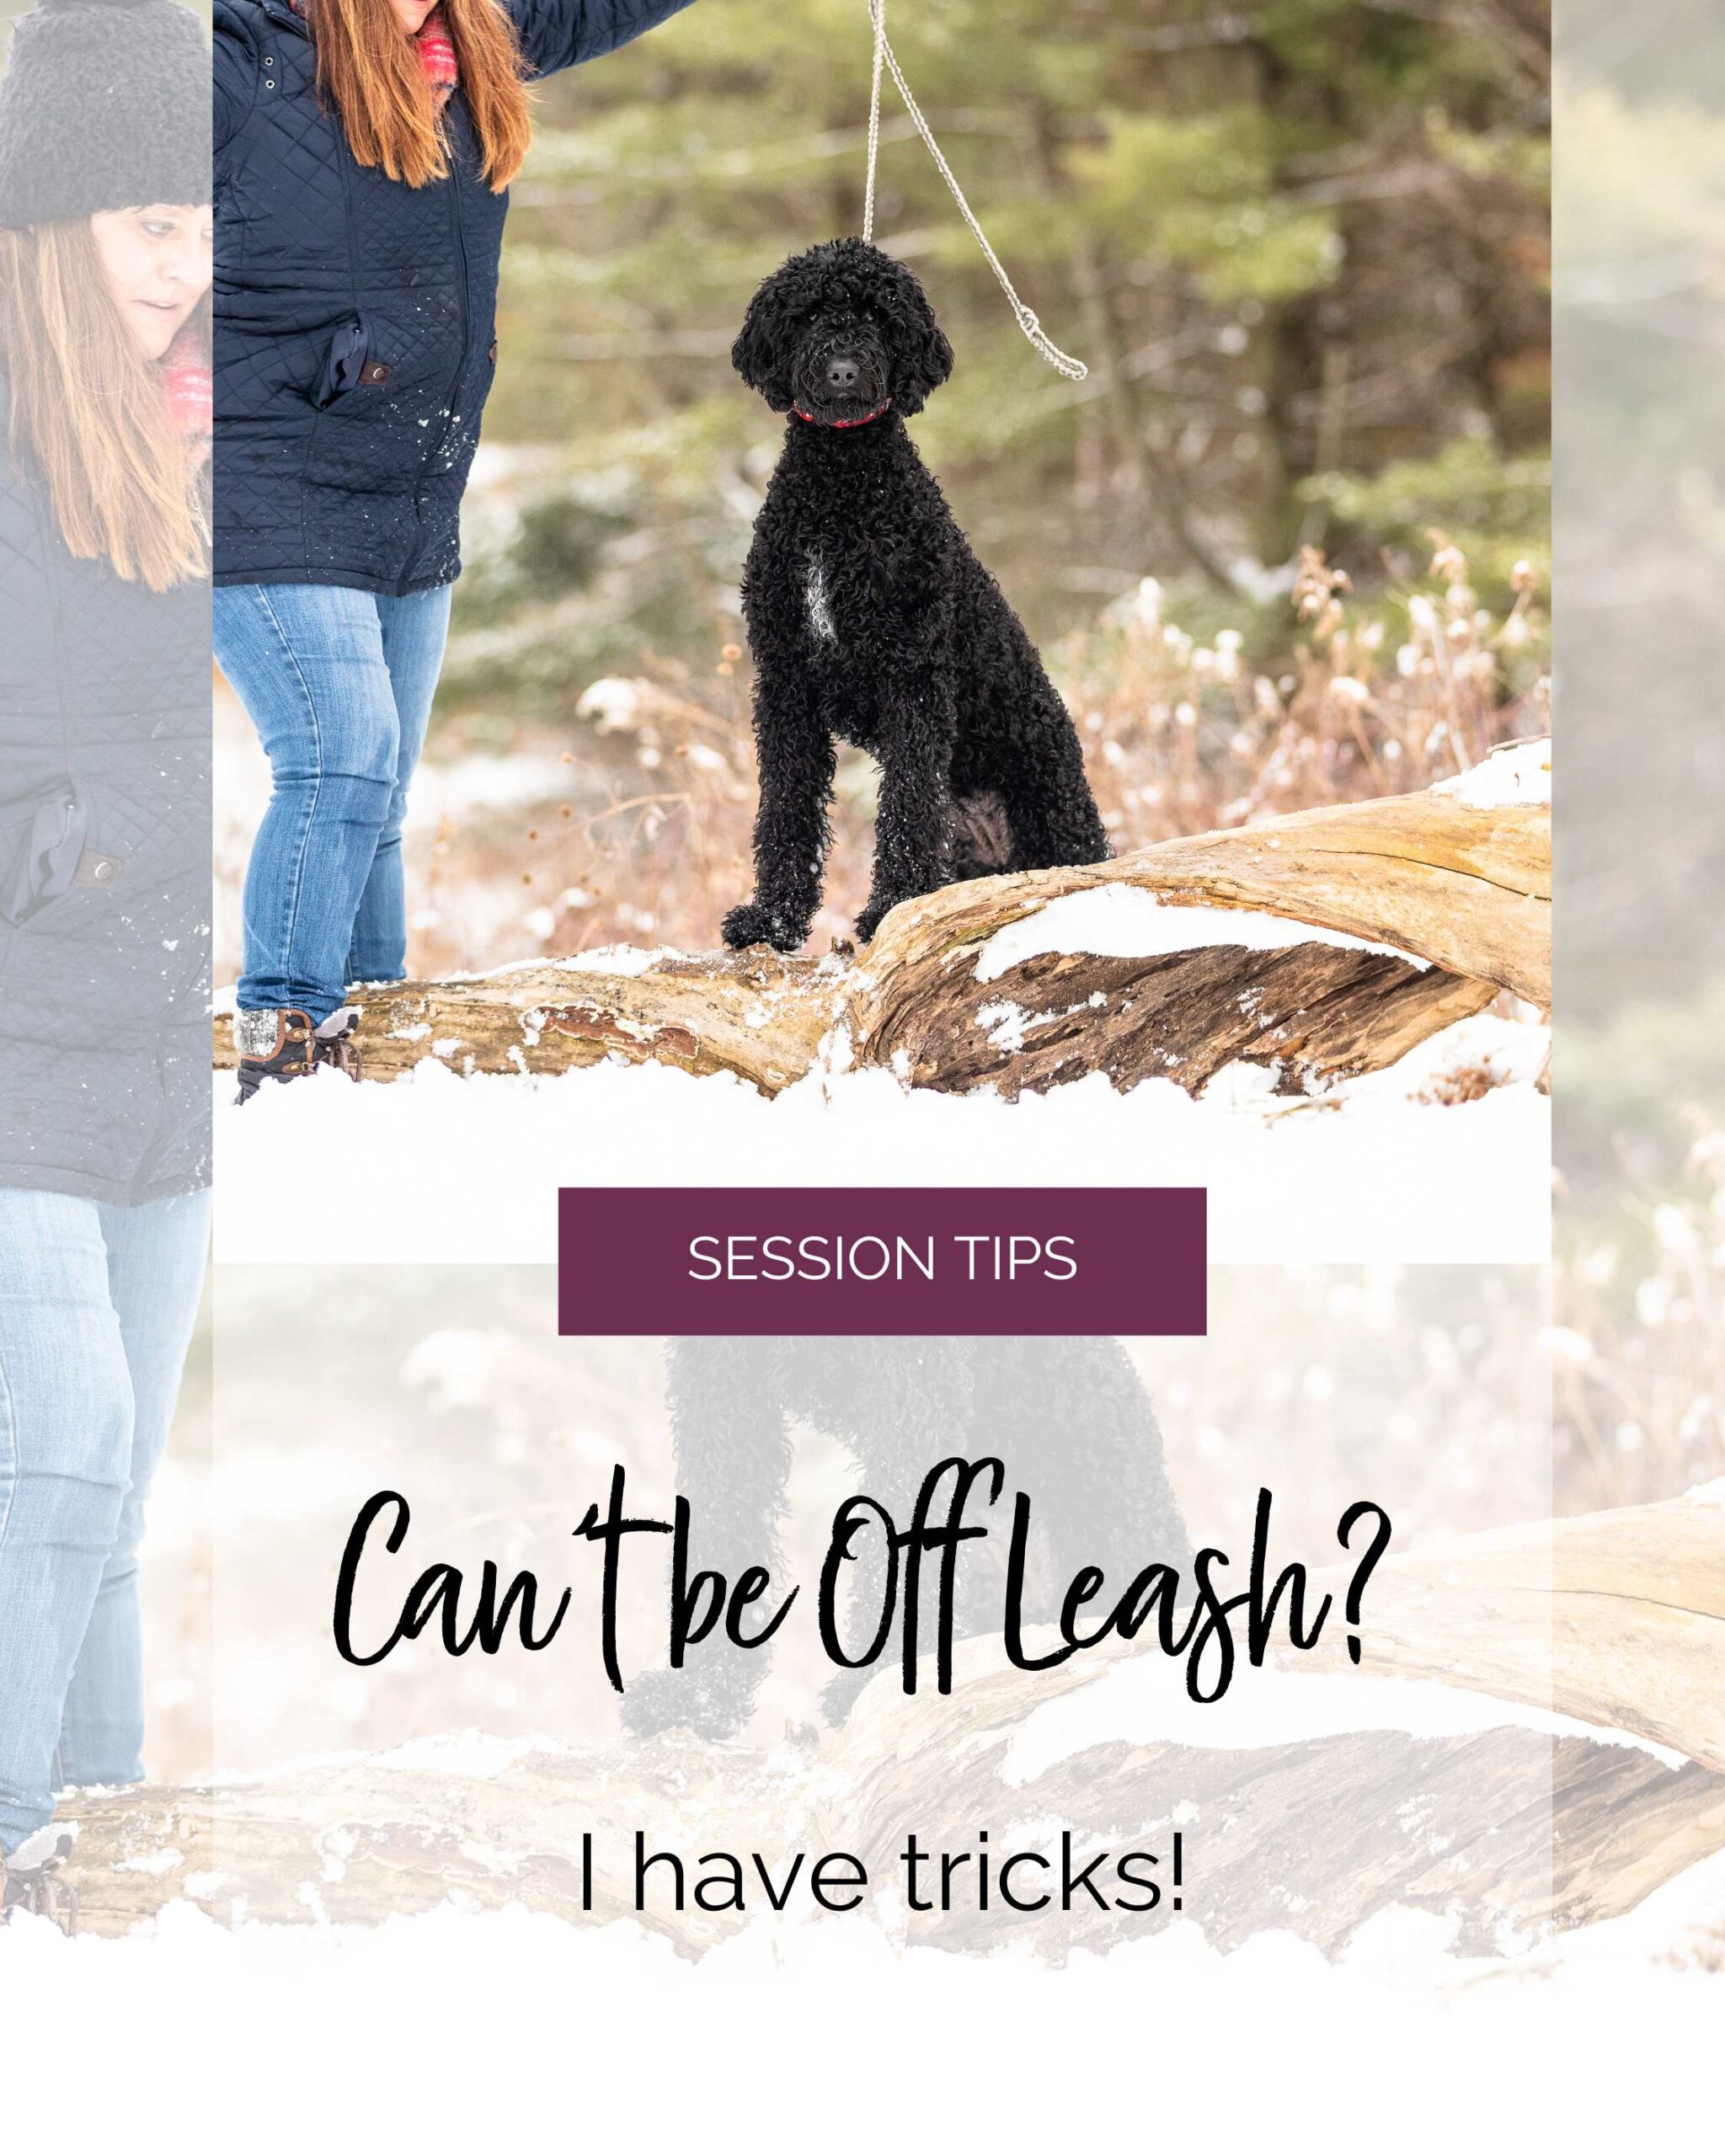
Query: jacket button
(103, 872)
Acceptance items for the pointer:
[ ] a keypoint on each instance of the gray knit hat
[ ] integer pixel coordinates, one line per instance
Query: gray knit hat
(104, 104)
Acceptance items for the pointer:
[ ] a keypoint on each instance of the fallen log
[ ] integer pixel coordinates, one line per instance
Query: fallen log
(754, 1014)
(1362, 930)
(1617, 1618)
(1463, 892)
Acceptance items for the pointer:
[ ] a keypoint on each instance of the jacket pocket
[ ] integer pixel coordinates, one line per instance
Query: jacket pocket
(42, 838)
(347, 363)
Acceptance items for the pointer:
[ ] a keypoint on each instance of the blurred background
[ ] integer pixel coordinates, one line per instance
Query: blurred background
(1287, 544)
(1640, 1132)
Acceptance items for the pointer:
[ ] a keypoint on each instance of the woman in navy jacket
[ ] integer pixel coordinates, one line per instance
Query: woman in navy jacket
(363, 149)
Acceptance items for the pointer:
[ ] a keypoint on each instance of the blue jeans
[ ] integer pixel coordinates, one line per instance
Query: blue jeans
(339, 685)
(97, 1303)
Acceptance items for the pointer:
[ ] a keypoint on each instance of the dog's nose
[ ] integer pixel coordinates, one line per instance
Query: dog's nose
(843, 375)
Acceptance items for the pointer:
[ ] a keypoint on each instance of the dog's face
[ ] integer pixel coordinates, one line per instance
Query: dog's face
(839, 333)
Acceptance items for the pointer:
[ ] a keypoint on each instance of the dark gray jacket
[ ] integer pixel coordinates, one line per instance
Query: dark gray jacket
(104, 866)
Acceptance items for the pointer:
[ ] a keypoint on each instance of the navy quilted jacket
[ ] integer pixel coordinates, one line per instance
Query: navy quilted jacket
(355, 330)
(104, 866)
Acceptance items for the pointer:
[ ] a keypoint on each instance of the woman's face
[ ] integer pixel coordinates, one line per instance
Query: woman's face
(156, 263)
(411, 13)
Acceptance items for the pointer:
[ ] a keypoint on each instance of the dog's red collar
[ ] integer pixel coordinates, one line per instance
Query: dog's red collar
(841, 426)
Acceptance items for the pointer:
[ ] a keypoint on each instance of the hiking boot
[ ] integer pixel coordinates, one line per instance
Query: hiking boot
(33, 1878)
(286, 1044)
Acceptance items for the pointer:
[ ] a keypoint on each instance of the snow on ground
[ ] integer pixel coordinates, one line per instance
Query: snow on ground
(453, 2031)
(450, 1169)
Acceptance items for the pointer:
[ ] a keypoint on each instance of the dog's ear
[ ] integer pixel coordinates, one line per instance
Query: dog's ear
(763, 355)
(922, 358)
(924, 366)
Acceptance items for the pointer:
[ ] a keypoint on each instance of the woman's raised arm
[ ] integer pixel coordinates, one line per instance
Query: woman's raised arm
(562, 33)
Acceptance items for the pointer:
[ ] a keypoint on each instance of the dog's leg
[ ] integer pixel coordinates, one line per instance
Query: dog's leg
(726, 1401)
(900, 1407)
(1047, 797)
(913, 825)
(795, 748)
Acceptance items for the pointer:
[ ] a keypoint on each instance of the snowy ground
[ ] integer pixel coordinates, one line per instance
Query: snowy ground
(453, 2031)
(442, 2031)
(450, 1169)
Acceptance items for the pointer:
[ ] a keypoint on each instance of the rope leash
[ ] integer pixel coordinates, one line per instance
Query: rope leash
(886, 60)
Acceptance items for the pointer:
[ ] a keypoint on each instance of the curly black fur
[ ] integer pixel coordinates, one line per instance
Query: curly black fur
(872, 622)
(1069, 1419)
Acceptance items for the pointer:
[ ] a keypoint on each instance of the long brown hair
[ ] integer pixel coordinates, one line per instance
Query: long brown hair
(368, 69)
(90, 408)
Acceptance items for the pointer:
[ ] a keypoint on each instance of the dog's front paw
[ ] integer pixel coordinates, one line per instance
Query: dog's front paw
(754, 923)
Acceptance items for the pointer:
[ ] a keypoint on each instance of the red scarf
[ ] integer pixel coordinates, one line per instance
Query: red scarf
(437, 57)
(185, 375)
(436, 51)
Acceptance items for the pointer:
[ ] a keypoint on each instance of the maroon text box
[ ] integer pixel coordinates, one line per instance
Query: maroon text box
(745, 1263)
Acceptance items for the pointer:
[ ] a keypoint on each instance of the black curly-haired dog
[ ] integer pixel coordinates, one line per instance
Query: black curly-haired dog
(1069, 1419)
(872, 622)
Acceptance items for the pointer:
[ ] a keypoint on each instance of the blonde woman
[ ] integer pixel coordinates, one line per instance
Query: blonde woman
(364, 150)
(105, 233)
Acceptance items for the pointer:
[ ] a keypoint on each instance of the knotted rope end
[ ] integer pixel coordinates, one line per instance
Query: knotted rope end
(886, 60)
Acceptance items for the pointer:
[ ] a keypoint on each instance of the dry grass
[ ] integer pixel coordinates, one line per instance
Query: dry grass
(648, 842)
(1183, 737)
(1639, 1366)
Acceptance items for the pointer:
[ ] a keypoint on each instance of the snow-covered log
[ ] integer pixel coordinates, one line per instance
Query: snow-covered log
(1323, 944)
